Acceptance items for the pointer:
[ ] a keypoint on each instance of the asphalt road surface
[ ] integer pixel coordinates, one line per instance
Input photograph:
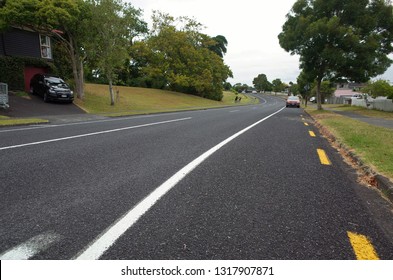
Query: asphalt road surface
(249, 182)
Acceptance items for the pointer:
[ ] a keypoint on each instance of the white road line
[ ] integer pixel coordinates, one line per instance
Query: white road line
(31, 127)
(91, 134)
(31, 247)
(103, 242)
(234, 111)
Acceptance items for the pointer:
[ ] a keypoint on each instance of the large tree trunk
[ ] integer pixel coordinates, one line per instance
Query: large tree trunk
(111, 93)
(79, 83)
(319, 99)
(77, 70)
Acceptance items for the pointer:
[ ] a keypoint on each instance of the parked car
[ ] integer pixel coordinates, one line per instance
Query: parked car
(313, 99)
(51, 88)
(293, 101)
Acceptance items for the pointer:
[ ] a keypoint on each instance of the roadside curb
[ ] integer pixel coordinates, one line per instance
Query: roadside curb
(371, 177)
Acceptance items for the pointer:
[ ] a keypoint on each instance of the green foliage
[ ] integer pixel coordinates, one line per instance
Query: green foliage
(261, 83)
(12, 69)
(304, 84)
(67, 20)
(220, 45)
(379, 88)
(238, 87)
(347, 40)
(177, 56)
(326, 89)
(278, 85)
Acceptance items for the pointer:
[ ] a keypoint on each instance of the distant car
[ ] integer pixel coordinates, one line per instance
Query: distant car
(357, 95)
(51, 88)
(313, 99)
(293, 101)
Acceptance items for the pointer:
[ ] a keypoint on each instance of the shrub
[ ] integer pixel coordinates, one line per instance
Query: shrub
(12, 70)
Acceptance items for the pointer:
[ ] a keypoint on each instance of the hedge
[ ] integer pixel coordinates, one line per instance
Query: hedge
(12, 70)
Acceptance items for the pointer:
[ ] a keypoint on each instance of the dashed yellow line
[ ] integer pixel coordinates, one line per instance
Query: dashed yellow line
(312, 134)
(362, 247)
(323, 157)
(306, 124)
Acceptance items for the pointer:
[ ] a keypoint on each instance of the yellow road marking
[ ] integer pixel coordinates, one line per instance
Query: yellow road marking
(323, 157)
(312, 134)
(362, 247)
(306, 124)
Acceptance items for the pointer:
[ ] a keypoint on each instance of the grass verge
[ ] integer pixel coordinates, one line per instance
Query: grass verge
(132, 101)
(373, 145)
(361, 111)
(6, 121)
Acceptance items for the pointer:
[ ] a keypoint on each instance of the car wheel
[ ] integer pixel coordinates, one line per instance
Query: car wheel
(46, 97)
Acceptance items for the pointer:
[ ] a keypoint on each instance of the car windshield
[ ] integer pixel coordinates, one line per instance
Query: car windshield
(53, 81)
(293, 98)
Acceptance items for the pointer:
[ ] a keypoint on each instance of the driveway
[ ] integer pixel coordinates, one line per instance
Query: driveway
(56, 113)
(34, 106)
(370, 120)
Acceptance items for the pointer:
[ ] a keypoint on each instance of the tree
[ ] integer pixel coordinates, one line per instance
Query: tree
(336, 39)
(238, 87)
(177, 55)
(379, 88)
(66, 21)
(278, 85)
(326, 89)
(113, 27)
(220, 45)
(304, 84)
(261, 83)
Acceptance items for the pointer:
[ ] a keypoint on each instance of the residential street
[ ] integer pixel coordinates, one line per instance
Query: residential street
(246, 182)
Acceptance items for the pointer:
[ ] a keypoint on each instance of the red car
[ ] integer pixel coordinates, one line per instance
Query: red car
(293, 101)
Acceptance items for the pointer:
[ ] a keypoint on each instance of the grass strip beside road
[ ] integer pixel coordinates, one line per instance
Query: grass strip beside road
(6, 121)
(372, 144)
(361, 111)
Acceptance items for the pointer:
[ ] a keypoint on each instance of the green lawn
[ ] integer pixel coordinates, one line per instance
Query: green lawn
(374, 145)
(361, 111)
(131, 101)
(368, 113)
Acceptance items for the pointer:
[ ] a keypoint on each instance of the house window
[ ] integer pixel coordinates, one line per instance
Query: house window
(46, 51)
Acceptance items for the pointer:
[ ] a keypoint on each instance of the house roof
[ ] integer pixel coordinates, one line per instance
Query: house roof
(343, 92)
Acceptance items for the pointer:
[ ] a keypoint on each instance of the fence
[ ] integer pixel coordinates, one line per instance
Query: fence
(377, 104)
(4, 96)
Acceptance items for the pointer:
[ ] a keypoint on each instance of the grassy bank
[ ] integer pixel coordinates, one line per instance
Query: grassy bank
(131, 101)
(372, 144)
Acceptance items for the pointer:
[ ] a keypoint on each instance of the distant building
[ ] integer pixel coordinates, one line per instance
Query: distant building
(347, 89)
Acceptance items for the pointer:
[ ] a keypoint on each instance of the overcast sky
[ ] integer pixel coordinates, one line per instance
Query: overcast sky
(251, 28)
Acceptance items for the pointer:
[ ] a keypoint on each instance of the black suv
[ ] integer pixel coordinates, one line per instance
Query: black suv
(51, 88)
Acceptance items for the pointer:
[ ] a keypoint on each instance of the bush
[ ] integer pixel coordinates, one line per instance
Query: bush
(379, 88)
(12, 70)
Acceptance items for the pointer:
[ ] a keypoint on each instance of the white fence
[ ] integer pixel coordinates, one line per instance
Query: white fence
(377, 104)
